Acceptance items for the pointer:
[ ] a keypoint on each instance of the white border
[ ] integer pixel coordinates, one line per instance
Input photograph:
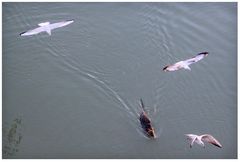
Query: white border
(128, 160)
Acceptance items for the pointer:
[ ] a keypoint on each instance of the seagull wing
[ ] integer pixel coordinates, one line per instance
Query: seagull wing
(210, 139)
(195, 59)
(60, 24)
(32, 32)
(174, 67)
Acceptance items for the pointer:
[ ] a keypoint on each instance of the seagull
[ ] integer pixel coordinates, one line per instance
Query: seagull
(202, 138)
(46, 27)
(146, 123)
(185, 64)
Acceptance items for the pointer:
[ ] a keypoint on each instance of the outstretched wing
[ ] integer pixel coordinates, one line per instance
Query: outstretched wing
(32, 32)
(195, 59)
(60, 24)
(210, 139)
(174, 67)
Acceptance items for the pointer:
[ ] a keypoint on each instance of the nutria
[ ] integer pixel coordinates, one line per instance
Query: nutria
(146, 122)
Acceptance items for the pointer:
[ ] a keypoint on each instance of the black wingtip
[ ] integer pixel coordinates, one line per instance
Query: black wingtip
(70, 20)
(217, 145)
(165, 68)
(22, 33)
(203, 53)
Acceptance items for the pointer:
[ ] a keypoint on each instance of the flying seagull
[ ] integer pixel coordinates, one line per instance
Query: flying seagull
(185, 64)
(202, 138)
(46, 27)
(146, 123)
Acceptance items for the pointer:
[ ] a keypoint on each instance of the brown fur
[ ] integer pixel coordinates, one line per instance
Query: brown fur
(147, 125)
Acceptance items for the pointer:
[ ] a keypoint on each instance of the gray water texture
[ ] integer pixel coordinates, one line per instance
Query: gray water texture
(76, 93)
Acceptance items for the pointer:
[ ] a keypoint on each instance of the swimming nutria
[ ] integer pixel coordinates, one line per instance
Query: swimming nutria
(146, 122)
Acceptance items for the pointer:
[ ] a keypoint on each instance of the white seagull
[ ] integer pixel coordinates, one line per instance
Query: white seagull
(46, 27)
(202, 138)
(185, 64)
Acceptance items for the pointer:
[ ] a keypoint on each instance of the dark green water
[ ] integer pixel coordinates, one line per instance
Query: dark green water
(76, 92)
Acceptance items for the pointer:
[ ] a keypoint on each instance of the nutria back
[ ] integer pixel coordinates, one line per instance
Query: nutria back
(146, 125)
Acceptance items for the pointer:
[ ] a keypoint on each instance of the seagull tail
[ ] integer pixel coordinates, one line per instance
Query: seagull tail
(191, 139)
(49, 31)
(187, 67)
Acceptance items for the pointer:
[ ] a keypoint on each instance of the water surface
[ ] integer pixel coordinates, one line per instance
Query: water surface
(77, 91)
